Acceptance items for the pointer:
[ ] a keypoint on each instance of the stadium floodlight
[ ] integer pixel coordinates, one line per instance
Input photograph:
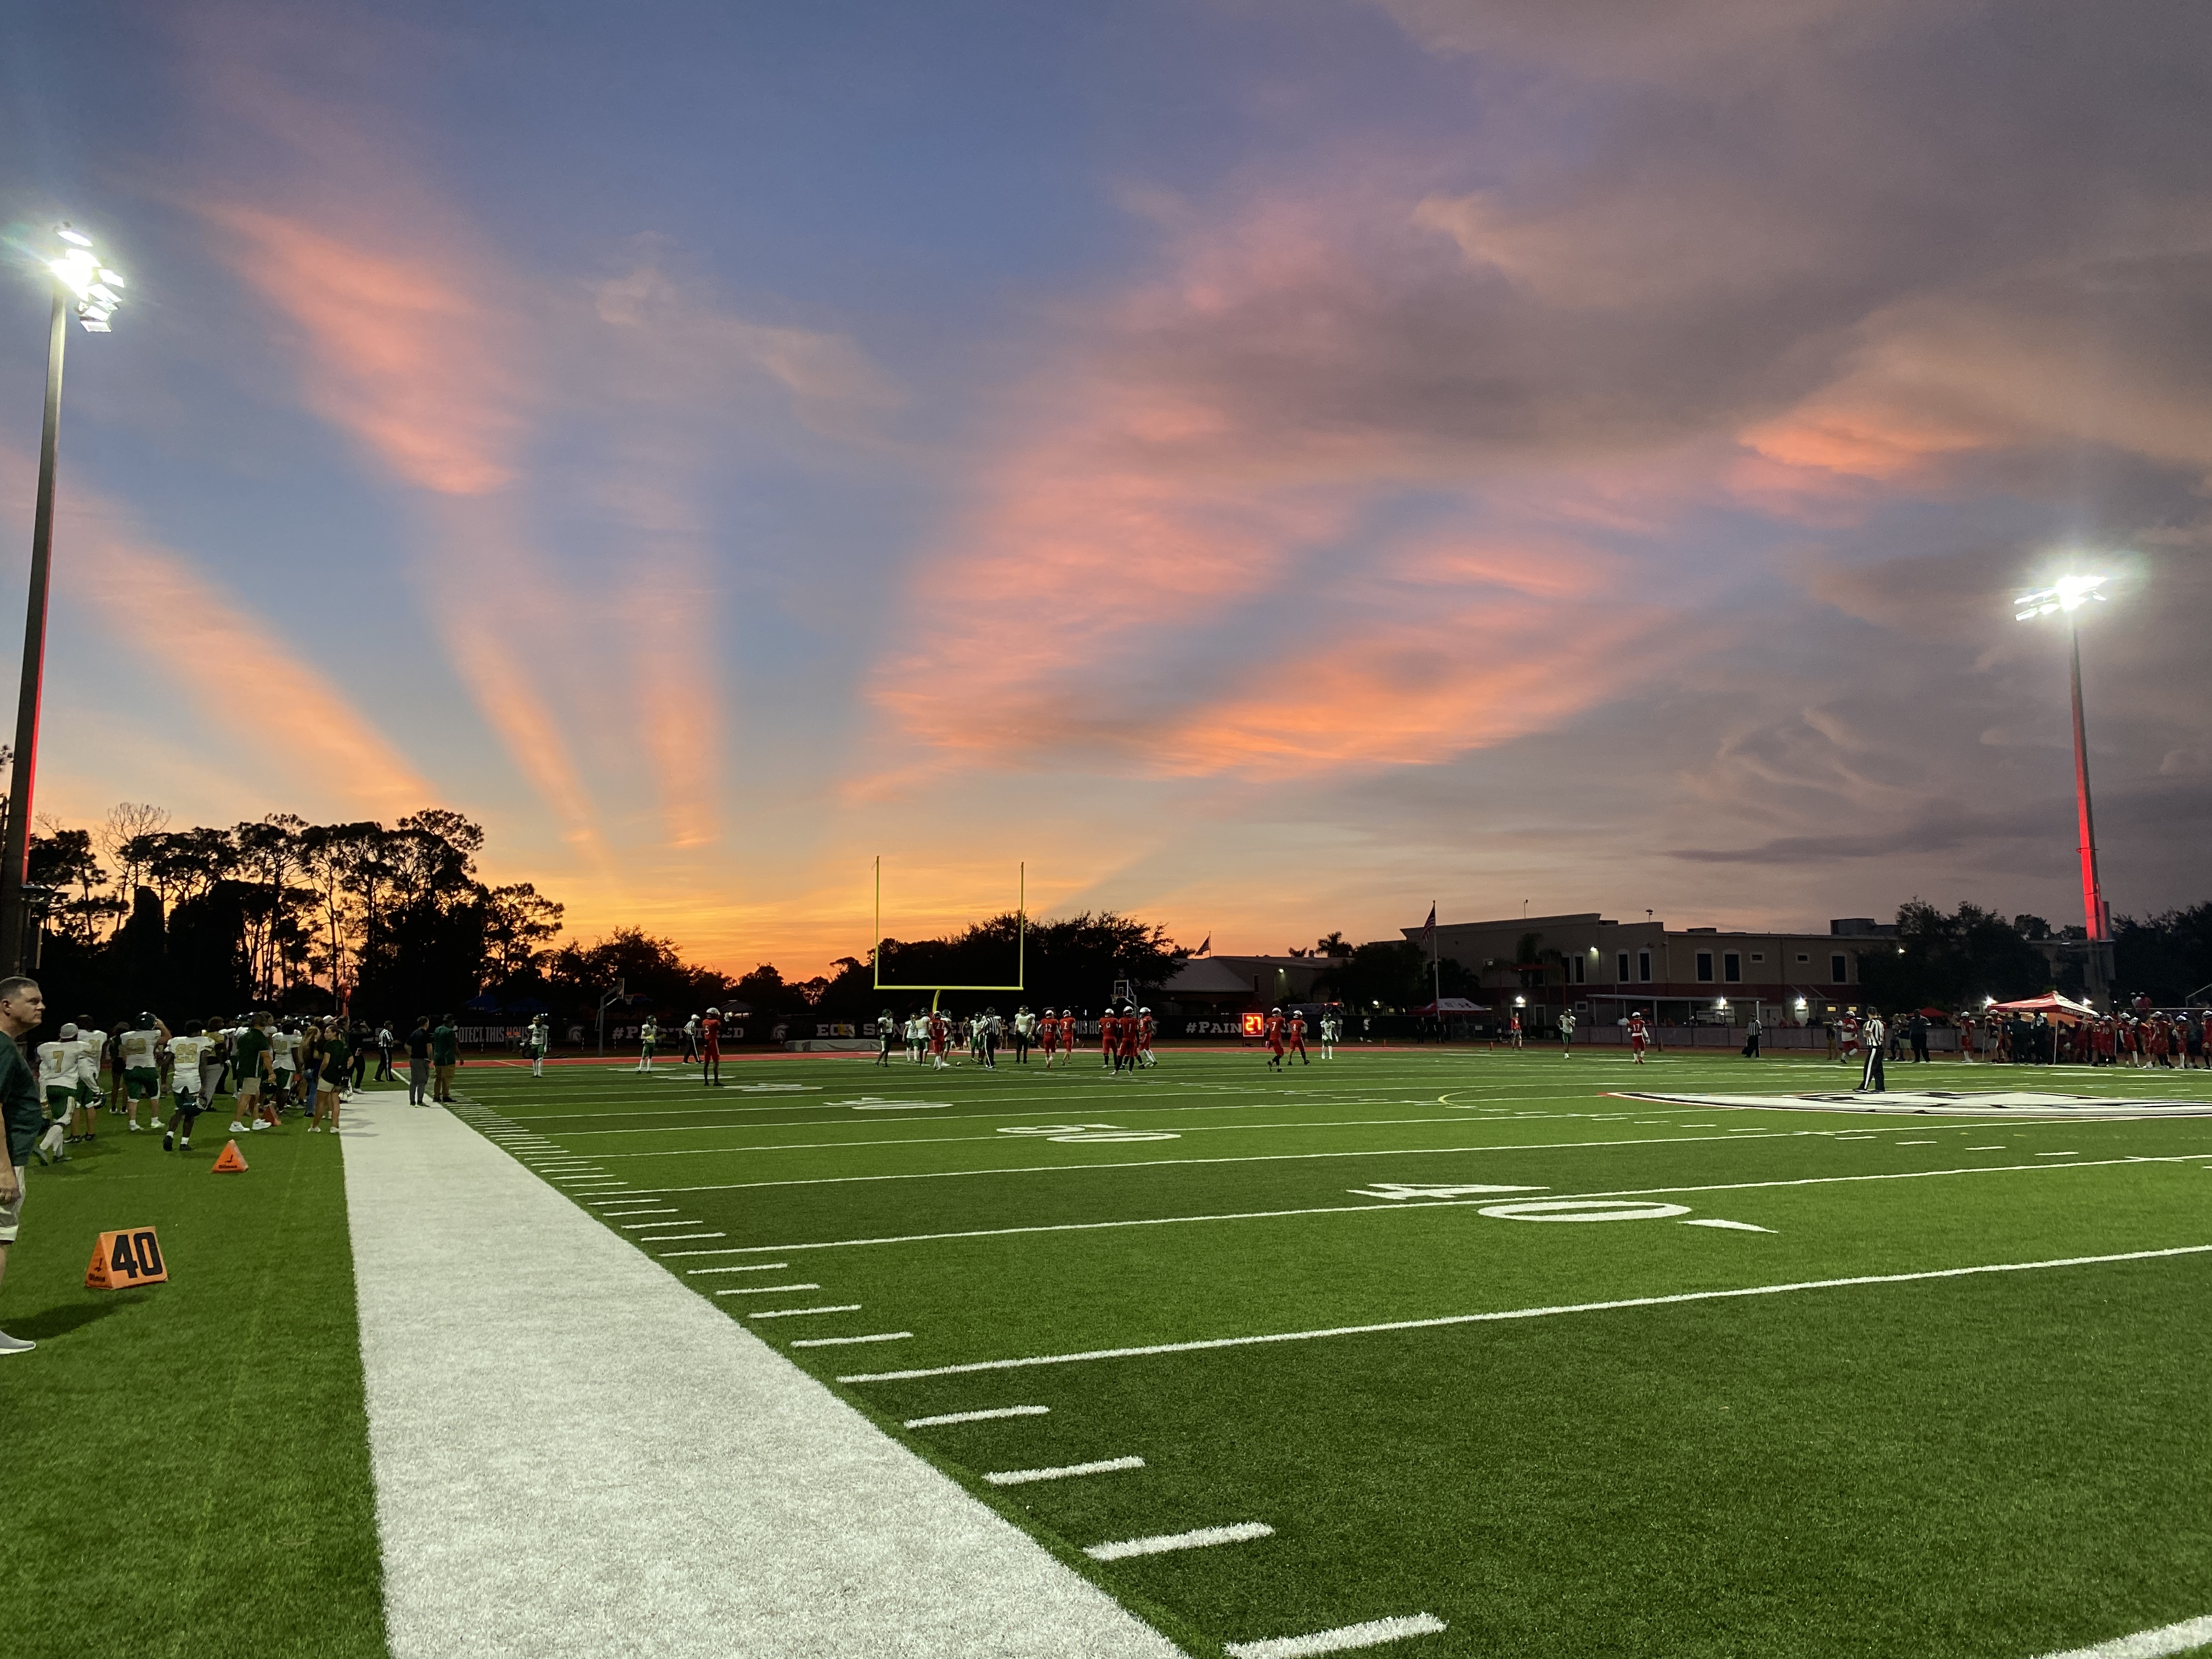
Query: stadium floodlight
(84, 285)
(2064, 598)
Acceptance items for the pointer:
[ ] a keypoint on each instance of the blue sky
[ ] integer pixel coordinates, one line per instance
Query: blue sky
(1266, 467)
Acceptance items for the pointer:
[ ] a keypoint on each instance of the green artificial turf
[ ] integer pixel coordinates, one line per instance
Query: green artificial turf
(1995, 1466)
(186, 1468)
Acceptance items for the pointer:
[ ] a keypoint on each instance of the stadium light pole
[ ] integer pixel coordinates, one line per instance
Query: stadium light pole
(86, 287)
(2068, 596)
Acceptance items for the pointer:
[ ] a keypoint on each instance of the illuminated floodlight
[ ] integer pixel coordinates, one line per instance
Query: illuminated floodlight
(68, 235)
(2067, 594)
(98, 289)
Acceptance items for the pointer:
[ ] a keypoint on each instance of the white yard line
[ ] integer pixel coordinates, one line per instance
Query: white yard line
(793, 1312)
(1345, 1639)
(2184, 1638)
(1062, 1471)
(1436, 1204)
(991, 1415)
(525, 1501)
(1199, 1538)
(1526, 1313)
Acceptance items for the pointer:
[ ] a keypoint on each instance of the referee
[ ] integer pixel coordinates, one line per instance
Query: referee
(1875, 1035)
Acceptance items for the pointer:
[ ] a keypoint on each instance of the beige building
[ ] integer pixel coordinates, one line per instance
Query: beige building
(1605, 969)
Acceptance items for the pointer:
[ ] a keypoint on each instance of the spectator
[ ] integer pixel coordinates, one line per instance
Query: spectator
(23, 1005)
(1917, 1030)
(418, 1061)
(445, 1054)
(1751, 1036)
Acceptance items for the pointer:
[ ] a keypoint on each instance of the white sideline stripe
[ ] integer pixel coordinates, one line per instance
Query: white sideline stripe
(2183, 1638)
(1063, 1472)
(976, 1417)
(832, 1538)
(793, 1312)
(678, 1238)
(1527, 1313)
(765, 1290)
(840, 1342)
(1198, 1539)
(1444, 1204)
(1343, 1639)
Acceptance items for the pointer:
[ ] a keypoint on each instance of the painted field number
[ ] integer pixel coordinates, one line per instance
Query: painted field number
(130, 1257)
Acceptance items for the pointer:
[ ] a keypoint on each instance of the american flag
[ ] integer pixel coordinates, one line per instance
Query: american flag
(1429, 929)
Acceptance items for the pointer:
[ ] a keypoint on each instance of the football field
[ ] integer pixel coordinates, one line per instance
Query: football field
(1470, 1352)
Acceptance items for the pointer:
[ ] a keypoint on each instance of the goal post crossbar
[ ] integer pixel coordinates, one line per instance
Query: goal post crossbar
(1021, 940)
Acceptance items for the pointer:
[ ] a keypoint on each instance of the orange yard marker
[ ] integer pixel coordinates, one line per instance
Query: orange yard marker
(130, 1257)
(231, 1160)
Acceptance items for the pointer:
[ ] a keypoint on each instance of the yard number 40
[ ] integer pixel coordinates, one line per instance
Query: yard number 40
(132, 1256)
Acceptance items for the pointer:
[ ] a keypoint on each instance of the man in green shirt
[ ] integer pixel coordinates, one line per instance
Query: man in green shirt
(23, 1005)
(249, 1066)
(445, 1054)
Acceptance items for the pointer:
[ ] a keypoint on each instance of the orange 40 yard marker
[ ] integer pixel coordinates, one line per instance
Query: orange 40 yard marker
(130, 1257)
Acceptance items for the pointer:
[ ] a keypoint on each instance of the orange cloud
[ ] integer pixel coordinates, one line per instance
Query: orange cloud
(231, 663)
(396, 345)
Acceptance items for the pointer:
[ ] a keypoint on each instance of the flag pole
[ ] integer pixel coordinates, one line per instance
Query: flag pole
(1436, 970)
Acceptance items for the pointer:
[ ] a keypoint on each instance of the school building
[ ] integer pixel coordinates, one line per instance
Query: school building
(1605, 969)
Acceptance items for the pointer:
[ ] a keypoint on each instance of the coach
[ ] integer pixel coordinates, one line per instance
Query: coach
(23, 1005)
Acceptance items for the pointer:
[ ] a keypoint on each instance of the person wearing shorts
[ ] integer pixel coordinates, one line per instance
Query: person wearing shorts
(445, 1054)
(330, 1077)
(249, 1064)
(23, 1005)
(141, 1049)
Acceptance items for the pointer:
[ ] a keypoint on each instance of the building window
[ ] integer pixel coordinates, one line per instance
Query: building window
(1758, 956)
(1732, 968)
(1624, 968)
(1804, 956)
(1704, 967)
(1838, 971)
(1643, 966)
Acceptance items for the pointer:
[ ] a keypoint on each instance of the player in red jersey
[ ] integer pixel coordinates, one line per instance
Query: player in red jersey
(1048, 1036)
(1125, 1043)
(1297, 1036)
(1847, 1029)
(1638, 1033)
(1273, 1033)
(1109, 1036)
(710, 1038)
(1144, 1030)
(939, 1035)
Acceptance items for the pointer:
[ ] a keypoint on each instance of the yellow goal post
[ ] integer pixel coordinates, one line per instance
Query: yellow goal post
(1021, 942)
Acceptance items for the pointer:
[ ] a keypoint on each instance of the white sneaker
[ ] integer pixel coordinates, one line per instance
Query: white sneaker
(236, 1127)
(134, 1126)
(260, 1123)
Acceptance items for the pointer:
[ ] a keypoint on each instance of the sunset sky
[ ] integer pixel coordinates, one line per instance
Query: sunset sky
(1268, 467)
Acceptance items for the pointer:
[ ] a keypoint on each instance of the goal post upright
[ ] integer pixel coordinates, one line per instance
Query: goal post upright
(1021, 942)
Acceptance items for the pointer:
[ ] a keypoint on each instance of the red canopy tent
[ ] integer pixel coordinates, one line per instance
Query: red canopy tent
(2051, 1004)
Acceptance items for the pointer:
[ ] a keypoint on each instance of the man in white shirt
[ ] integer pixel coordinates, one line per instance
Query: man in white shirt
(91, 1042)
(57, 1087)
(284, 1062)
(649, 1039)
(186, 1053)
(141, 1049)
(1330, 1027)
(1566, 1034)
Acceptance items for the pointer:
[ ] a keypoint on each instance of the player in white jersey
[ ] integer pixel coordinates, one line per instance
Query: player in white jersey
(535, 1042)
(1566, 1034)
(284, 1063)
(91, 1042)
(648, 1038)
(141, 1049)
(186, 1053)
(1331, 1028)
(57, 1088)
